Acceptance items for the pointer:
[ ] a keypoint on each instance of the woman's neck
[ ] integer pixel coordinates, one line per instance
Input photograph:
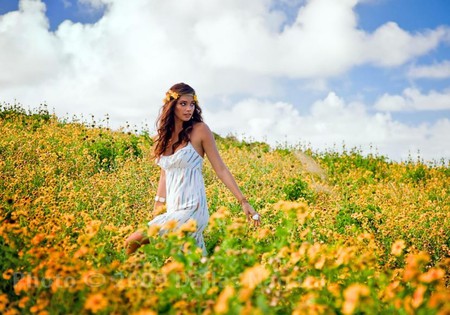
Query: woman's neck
(178, 126)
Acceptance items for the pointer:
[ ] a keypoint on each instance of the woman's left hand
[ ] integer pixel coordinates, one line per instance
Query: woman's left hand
(251, 214)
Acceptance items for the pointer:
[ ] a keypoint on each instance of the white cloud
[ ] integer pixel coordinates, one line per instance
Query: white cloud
(96, 4)
(390, 45)
(123, 64)
(66, 3)
(435, 71)
(413, 100)
(332, 122)
(29, 53)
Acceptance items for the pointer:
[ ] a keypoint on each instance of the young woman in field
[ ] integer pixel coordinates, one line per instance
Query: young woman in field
(182, 141)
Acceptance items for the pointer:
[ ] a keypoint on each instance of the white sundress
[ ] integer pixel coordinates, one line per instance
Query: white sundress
(185, 191)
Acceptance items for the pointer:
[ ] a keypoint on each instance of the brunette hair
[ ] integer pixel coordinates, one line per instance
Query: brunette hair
(165, 124)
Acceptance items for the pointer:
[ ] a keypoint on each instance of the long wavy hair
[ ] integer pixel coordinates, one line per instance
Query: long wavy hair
(165, 123)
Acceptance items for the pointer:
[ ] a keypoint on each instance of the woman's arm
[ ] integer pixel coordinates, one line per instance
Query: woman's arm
(222, 171)
(161, 191)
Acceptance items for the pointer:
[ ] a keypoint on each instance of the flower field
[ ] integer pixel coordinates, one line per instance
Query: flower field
(356, 235)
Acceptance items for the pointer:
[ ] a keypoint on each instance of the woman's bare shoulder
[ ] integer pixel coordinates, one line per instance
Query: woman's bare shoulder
(201, 128)
(200, 133)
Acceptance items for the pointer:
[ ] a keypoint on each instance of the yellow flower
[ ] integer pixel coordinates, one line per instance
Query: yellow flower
(253, 276)
(398, 247)
(3, 302)
(11, 311)
(22, 302)
(37, 239)
(298, 207)
(221, 306)
(221, 213)
(145, 312)
(83, 250)
(93, 227)
(173, 266)
(195, 98)
(263, 233)
(431, 275)
(153, 230)
(95, 302)
(352, 296)
(25, 284)
(417, 298)
(212, 291)
(7, 274)
(313, 283)
(170, 95)
(181, 305)
(170, 225)
(189, 226)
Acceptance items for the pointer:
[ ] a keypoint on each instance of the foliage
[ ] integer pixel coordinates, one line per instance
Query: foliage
(374, 239)
(298, 188)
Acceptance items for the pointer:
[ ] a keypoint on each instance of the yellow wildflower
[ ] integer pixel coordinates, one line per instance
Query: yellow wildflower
(145, 312)
(173, 266)
(8, 274)
(170, 225)
(37, 239)
(398, 247)
(417, 298)
(431, 275)
(221, 306)
(313, 283)
(25, 284)
(352, 296)
(93, 227)
(83, 250)
(95, 302)
(220, 213)
(3, 302)
(253, 276)
(189, 226)
(22, 302)
(263, 233)
(153, 230)
(180, 305)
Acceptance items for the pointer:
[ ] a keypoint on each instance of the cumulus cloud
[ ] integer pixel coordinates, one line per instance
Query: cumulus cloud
(123, 64)
(390, 45)
(207, 41)
(29, 54)
(332, 122)
(95, 3)
(413, 100)
(435, 71)
(66, 3)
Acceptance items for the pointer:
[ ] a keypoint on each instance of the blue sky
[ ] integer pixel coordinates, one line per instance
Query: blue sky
(367, 72)
(59, 10)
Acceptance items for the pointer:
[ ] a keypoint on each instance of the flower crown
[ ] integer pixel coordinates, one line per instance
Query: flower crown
(174, 95)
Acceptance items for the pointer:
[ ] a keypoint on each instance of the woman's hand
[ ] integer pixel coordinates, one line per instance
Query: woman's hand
(158, 207)
(251, 214)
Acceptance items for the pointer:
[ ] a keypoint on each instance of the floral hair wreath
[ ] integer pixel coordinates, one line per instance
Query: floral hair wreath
(174, 95)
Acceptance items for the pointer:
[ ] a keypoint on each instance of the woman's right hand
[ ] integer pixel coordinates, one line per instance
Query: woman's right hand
(251, 213)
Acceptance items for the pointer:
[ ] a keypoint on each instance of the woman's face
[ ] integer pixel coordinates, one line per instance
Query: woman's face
(184, 109)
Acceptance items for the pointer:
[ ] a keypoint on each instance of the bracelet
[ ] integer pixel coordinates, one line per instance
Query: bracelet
(243, 200)
(160, 199)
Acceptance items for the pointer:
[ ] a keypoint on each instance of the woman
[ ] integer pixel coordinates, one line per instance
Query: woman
(182, 141)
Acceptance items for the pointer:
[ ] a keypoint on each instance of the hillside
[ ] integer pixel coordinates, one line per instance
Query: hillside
(341, 233)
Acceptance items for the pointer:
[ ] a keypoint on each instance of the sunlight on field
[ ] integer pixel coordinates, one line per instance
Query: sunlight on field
(341, 232)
